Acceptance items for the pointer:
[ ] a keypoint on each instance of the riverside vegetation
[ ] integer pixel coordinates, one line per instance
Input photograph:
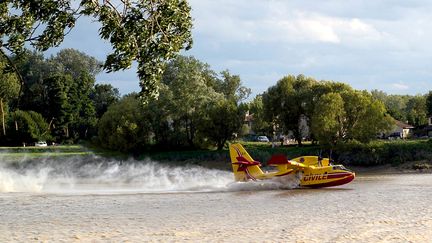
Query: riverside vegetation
(199, 110)
(415, 154)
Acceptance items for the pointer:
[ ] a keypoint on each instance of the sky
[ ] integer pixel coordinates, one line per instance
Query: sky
(383, 44)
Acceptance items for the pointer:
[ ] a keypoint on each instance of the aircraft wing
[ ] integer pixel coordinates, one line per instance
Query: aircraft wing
(281, 160)
(296, 165)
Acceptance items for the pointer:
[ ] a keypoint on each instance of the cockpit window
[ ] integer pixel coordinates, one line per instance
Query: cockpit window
(339, 167)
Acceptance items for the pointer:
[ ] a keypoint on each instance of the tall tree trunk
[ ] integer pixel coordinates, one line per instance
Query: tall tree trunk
(3, 117)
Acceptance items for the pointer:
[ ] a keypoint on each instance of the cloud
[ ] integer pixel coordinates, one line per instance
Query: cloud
(399, 86)
(350, 41)
(277, 23)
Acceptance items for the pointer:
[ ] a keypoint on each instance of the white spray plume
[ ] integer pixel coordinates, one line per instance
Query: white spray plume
(93, 174)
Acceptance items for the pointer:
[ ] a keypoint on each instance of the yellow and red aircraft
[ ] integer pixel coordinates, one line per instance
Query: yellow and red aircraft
(316, 172)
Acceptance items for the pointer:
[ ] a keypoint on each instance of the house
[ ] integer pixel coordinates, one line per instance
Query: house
(248, 120)
(401, 130)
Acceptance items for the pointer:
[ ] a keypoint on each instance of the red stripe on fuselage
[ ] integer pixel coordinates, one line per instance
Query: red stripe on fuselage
(345, 179)
(338, 175)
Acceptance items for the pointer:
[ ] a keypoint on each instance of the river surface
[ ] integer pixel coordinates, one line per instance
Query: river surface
(206, 206)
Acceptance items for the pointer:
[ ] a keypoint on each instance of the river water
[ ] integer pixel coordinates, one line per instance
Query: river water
(141, 202)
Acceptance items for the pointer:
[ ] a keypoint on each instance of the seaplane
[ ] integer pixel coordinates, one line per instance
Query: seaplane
(314, 171)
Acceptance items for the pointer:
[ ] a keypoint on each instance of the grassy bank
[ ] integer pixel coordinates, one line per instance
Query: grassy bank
(30, 152)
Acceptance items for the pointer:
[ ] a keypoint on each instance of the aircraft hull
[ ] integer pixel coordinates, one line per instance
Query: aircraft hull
(328, 180)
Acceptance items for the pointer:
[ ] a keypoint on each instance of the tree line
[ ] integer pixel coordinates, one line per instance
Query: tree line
(56, 99)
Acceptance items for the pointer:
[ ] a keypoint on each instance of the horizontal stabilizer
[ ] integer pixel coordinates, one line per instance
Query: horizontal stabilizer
(244, 161)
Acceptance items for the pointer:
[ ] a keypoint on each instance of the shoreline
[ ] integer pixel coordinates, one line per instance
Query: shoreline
(207, 159)
(410, 167)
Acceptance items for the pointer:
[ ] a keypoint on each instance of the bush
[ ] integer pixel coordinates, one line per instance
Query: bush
(27, 127)
(124, 127)
(383, 152)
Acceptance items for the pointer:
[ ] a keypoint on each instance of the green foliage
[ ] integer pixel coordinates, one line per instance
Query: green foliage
(256, 109)
(74, 63)
(28, 127)
(417, 111)
(382, 152)
(333, 111)
(230, 86)
(9, 84)
(289, 104)
(9, 90)
(149, 32)
(59, 88)
(125, 126)
(429, 103)
(195, 108)
(104, 95)
(69, 105)
(348, 115)
(327, 120)
(189, 88)
(223, 119)
(406, 108)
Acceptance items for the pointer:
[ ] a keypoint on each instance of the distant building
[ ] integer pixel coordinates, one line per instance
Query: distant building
(248, 120)
(401, 129)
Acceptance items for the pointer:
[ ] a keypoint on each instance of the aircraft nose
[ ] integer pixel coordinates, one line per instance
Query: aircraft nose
(351, 177)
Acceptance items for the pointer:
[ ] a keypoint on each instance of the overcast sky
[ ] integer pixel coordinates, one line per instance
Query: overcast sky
(383, 45)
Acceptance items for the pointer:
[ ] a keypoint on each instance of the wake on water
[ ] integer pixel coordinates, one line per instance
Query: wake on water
(96, 175)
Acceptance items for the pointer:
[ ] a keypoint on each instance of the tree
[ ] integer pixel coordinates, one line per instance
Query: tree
(289, 104)
(220, 128)
(149, 32)
(75, 63)
(33, 69)
(395, 104)
(417, 111)
(27, 127)
(349, 115)
(161, 118)
(9, 88)
(59, 110)
(256, 109)
(59, 88)
(231, 87)
(327, 118)
(104, 95)
(365, 116)
(429, 103)
(189, 82)
(125, 126)
(83, 114)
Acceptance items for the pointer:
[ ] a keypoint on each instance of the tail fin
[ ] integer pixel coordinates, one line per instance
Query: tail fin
(244, 167)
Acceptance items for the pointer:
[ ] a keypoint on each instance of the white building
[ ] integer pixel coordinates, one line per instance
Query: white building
(402, 129)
